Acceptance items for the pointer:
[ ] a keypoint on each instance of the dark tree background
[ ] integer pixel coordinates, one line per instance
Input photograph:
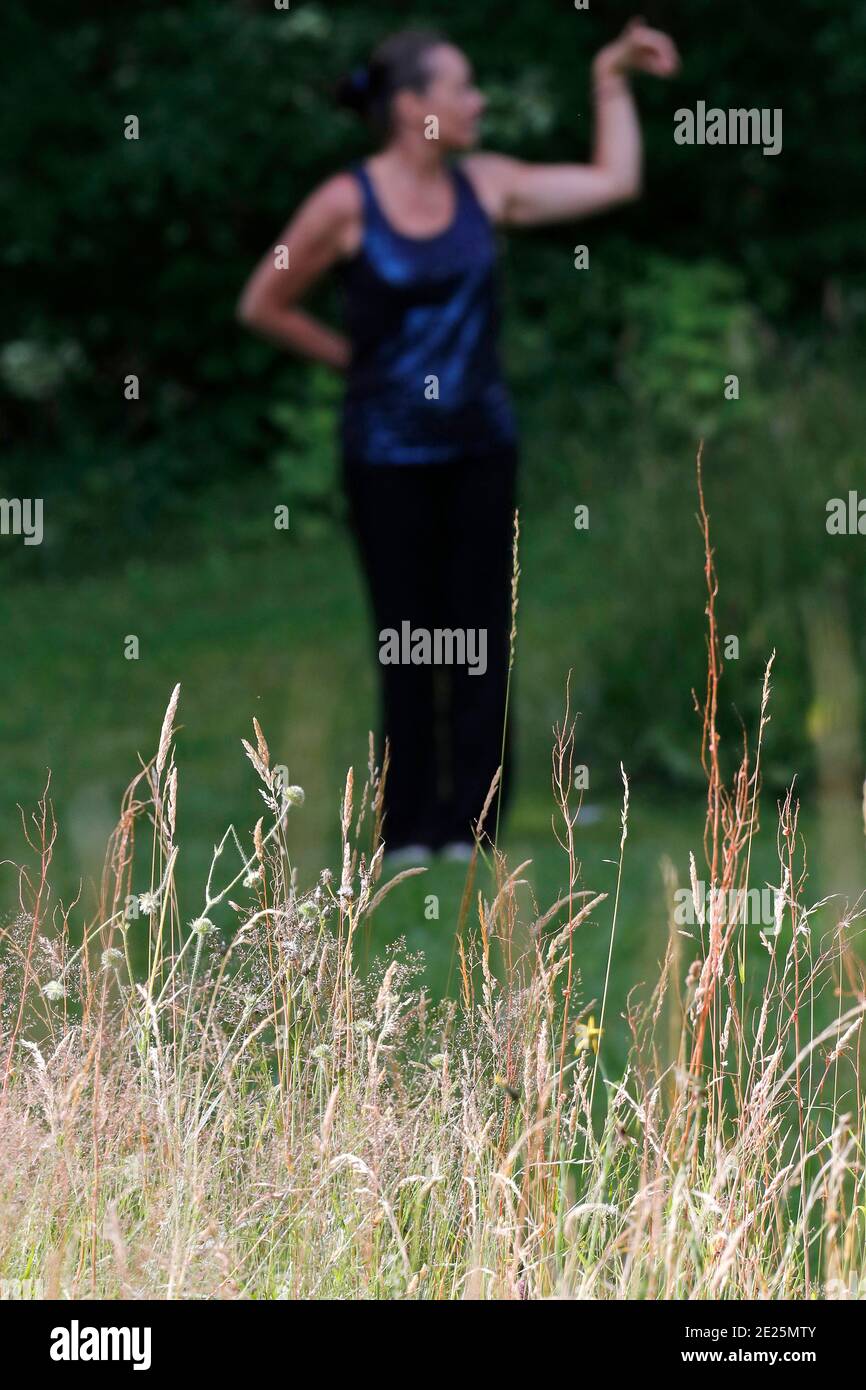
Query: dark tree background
(125, 256)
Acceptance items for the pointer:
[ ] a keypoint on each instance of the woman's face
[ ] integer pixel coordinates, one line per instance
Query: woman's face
(450, 95)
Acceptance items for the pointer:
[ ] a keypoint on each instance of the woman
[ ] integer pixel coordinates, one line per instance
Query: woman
(428, 436)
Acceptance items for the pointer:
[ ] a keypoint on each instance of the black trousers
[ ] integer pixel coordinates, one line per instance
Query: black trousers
(435, 543)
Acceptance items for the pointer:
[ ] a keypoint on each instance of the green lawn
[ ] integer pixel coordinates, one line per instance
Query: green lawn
(277, 630)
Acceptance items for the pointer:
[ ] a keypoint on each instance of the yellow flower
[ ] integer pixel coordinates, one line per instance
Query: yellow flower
(587, 1035)
(510, 1090)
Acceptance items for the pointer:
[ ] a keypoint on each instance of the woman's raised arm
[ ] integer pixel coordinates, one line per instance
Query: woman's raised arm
(519, 194)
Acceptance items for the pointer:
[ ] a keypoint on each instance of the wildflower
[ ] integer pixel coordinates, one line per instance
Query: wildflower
(148, 903)
(587, 1035)
(253, 876)
(202, 926)
(54, 990)
(507, 1087)
(294, 796)
(321, 1053)
(112, 957)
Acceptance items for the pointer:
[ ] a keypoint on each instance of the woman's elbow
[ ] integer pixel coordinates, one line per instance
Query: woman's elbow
(628, 190)
(246, 311)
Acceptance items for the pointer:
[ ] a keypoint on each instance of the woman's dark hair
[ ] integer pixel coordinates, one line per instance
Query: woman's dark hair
(399, 61)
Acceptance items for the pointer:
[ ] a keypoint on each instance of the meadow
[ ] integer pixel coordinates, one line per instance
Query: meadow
(240, 1078)
(237, 1060)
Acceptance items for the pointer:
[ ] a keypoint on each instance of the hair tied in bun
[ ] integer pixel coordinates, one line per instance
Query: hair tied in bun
(399, 62)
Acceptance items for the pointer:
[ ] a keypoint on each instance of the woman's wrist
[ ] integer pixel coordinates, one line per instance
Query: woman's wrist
(609, 86)
(609, 69)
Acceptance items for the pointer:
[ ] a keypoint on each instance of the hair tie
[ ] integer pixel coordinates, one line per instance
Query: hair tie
(360, 80)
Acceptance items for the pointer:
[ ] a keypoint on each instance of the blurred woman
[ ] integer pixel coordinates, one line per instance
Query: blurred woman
(428, 437)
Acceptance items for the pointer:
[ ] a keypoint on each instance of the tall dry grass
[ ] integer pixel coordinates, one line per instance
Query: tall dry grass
(248, 1117)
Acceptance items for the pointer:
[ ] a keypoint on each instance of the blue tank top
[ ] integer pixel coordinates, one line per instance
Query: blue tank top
(422, 314)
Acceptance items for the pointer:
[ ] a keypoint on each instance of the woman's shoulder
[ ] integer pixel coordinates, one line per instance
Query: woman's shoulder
(336, 209)
(340, 196)
(490, 177)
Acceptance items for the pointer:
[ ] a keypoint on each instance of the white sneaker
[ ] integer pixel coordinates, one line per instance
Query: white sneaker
(409, 854)
(458, 851)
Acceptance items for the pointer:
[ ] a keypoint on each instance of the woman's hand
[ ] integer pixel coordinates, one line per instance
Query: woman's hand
(638, 49)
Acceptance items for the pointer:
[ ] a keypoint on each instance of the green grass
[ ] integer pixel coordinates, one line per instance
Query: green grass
(262, 1120)
(271, 1121)
(278, 630)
